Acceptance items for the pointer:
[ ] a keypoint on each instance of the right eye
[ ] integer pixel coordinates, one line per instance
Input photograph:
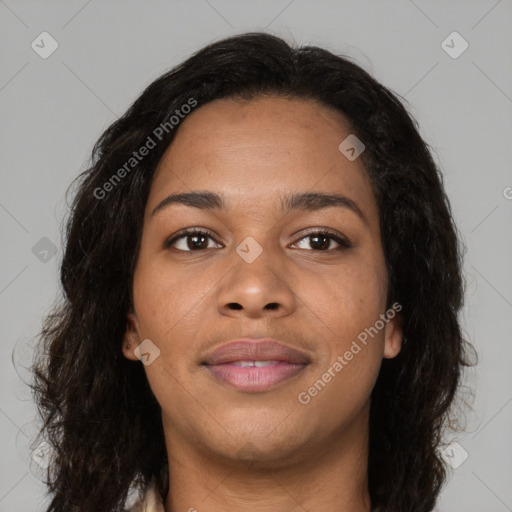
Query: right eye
(191, 240)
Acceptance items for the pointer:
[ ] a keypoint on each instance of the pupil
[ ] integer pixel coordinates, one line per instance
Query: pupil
(193, 245)
(326, 240)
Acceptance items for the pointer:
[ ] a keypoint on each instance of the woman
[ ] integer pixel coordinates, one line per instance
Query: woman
(267, 233)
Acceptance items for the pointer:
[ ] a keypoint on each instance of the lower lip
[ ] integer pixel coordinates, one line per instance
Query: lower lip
(252, 379)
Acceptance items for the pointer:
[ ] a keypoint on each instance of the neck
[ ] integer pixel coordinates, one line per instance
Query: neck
(330, 476)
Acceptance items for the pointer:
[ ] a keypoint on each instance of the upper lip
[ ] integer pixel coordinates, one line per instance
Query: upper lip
(265, 349)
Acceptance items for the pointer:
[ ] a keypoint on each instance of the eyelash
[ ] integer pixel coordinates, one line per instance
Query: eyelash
(343, 243)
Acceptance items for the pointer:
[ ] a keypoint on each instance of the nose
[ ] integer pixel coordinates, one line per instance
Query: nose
(256, 289)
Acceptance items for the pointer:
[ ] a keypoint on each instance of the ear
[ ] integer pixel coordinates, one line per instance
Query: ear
(393, 337)
(131, 338)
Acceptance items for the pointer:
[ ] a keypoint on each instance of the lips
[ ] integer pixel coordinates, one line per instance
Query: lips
(256, 350)
(255, 365)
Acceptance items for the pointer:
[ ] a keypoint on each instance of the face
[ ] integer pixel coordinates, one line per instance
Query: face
(262, 270)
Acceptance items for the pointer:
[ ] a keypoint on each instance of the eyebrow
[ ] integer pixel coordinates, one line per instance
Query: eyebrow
(308, 201)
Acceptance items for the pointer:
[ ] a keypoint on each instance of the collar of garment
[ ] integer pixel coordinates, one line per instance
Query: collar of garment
(151, 501)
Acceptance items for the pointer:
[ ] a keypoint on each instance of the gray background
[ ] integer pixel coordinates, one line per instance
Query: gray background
(54, 109)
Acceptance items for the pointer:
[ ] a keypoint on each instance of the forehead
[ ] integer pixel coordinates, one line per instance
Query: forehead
(253, 150)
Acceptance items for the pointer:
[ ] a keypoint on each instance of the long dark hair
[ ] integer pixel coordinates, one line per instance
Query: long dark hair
(99, 414)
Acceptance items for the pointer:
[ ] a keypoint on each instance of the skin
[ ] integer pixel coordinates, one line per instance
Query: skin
(230, 450)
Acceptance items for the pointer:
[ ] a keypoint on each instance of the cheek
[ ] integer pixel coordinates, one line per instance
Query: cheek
(164, 299)
(349, 306)
(349, 303)
(350, 298)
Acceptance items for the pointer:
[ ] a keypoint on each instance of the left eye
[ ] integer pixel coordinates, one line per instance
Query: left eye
(321, 241)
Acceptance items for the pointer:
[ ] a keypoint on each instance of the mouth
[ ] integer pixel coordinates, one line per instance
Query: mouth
(253, 366)
(255, 376)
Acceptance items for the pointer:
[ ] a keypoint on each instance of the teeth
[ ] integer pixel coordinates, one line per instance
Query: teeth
(257, 364)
